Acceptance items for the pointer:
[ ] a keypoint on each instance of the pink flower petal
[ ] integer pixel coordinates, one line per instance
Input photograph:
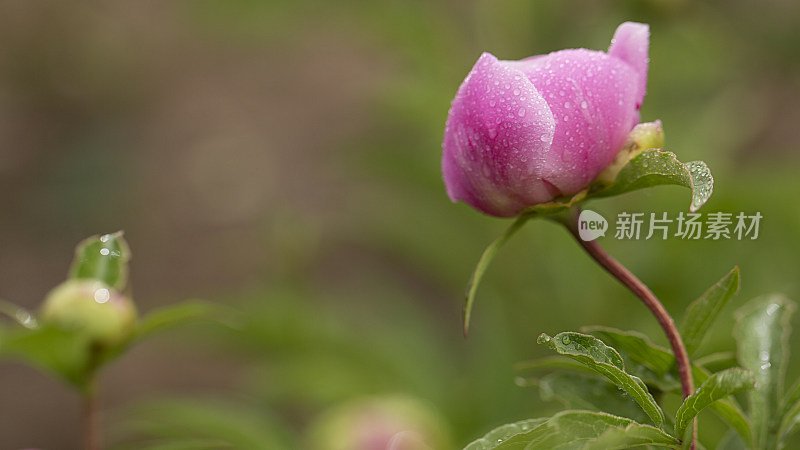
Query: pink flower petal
(497, 138)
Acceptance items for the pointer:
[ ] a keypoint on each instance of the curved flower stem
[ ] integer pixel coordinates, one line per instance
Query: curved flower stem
(644, 293)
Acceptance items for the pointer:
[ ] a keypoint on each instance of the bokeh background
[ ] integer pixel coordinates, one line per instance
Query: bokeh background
(282, 157)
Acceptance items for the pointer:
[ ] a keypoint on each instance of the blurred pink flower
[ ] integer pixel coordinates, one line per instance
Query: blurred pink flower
(520, 133)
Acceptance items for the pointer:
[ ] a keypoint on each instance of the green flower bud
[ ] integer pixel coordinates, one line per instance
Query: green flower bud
(643, 136)
(91, 308)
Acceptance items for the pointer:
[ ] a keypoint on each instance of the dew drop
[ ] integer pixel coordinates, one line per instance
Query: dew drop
(102, 295)
(584, 105)
(565, 340)
(567, 105)
(521, 112)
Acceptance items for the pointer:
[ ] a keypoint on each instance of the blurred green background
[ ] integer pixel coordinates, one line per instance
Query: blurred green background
(282, 157)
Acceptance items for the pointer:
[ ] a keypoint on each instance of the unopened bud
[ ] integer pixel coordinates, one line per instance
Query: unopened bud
(92, 308)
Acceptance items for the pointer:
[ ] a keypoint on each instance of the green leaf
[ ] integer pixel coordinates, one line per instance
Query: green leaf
(732, 441)
(550, 362)
(605, 360)
(177, 315)
(503, 432)
(730, 413)
(547, 209)
(638, 347)
(104, 258)
(588, 392)
(790, 416)
(718, 386)
(483, 264)
(717, 361)
(585, 430)
(649, 361)
(762, 332)
(655, 167)
(702, 313)
(61, 353)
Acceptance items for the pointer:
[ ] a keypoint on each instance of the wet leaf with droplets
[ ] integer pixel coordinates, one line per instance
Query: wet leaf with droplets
(500, 434)
(717, 386)
(103, 258)
(636, 347)
(656, 167)
(580, 430)
(605, 360)
(762, 334)
(655, 365)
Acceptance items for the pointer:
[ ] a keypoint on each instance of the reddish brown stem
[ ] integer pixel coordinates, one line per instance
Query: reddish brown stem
(91, 434)
(644, 293)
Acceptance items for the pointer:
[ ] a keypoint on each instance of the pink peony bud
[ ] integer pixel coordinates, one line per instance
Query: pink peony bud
(520, 133)
(380, 423)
